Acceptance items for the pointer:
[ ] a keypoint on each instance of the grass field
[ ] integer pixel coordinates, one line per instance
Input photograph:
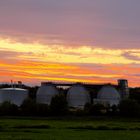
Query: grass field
(69, 129)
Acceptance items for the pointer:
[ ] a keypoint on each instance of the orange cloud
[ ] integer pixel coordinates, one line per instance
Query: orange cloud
(35, 72)
(33, 63)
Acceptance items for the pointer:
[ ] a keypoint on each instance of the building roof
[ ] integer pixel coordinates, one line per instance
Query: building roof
(13, 89)
(108, 92)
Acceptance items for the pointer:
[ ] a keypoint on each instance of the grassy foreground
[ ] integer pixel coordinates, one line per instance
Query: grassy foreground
(69, 129)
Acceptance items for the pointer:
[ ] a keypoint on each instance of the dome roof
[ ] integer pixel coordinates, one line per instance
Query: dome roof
(13, 89)
(45, 93)
(13, 95)
(77, 96)
(108, 92)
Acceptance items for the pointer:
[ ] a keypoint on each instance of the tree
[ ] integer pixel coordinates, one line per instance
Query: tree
(7, 108)
(59, 105)
(28, 107)
(129, 108)
(135, 94)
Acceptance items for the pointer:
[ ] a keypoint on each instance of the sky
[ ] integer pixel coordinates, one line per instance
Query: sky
(92, 41)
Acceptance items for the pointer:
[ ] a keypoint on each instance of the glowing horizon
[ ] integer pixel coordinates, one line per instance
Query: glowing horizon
(70, 41)
(27, 64)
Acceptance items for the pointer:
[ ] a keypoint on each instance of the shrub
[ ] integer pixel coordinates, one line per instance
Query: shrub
(42, 109)
(113, 110)
(135, 95)
(88, 109)
(78, 112)
(96, 109)
(129, 108)
(32, 92)
(7, 108)
(28, 107)
(59, 105)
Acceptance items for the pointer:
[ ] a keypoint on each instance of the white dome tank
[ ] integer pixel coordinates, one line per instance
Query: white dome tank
(46, 92)
(77, 96)
(109, 95)
(13, 95)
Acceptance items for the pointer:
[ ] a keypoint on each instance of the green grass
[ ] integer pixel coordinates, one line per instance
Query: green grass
(69, 129)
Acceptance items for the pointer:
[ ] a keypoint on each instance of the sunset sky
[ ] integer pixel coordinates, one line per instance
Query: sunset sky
(93, 41)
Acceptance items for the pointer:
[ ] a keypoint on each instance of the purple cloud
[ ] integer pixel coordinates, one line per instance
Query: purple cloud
(132, 56)
(104, 23)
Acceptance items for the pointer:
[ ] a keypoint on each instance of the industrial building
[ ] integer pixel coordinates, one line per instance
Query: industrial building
(78, 96)
(123, 88)
(112, 94)
(13, 95)
(108, 95)
(46, 92)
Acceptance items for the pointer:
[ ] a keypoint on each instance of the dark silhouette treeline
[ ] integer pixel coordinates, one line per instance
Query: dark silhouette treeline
(59, 107)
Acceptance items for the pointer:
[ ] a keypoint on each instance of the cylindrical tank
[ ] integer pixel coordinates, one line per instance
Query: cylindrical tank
(123, 88)
(46, 92)
(13, 95)
(78, 96)
(123, 83)
(108, 94)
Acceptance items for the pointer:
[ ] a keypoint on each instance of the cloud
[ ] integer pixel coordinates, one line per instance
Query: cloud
(8, 54)
(66, 40)
(132, 55)
(65, 54)
(37, 71)
(101, 23)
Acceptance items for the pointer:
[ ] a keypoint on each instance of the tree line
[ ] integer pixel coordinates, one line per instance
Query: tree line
(59, 107)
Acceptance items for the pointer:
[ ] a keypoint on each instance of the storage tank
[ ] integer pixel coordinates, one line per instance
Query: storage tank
(46, 92)
(13, 95)
(123, 88)
(109, 95)
(78, 96)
